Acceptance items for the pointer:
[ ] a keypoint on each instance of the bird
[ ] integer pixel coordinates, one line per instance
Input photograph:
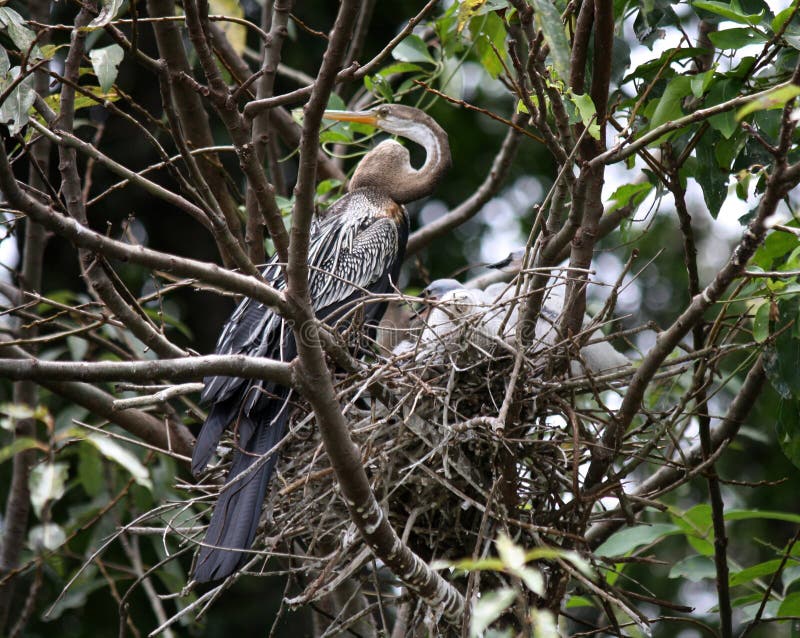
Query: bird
(355, 250)
(459, 316)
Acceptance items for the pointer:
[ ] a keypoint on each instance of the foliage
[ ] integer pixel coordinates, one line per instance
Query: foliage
(651, 500)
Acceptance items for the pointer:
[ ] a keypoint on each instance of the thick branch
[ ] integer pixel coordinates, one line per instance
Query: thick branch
(313, 376)
(183, 369)
(165, 435)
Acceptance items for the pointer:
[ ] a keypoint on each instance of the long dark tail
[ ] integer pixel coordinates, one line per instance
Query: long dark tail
(238, 508)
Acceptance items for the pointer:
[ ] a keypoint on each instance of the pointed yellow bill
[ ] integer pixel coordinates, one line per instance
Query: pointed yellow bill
(362, 117)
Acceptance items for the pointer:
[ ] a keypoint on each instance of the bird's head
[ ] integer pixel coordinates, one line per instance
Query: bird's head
(387, 166)
(512, 263)
(439, 287)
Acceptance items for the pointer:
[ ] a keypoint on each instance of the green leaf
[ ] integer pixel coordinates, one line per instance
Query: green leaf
(696, 524)
(548, 20)
(782, 18)
(47, 483)
(722, 91)
(20, 445)
(767, 515)
(488, 608)
(105, 62)
(712, 179)
(5, 65)
(700, 83)
(22, 37)
(84, 101)
(782, 356)
(632, 194)
(756, 571)
(668, 107)
(399, 67)
(14, 111)
(587, 112)
(115, 452)
(787, 429)
(775, 248)
(412, 49)
(579, 601)
(775, 99)
(749, 612)
(735, 38)
(107, 14)
(694, 568)
(729, 11)
(90, 469)
(489, 30)
(790, 606)
(761, 323)
(625, 541)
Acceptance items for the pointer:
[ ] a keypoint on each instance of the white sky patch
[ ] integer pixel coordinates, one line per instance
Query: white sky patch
(9, 253)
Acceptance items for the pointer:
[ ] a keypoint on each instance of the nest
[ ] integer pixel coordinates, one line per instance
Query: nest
(461, 440)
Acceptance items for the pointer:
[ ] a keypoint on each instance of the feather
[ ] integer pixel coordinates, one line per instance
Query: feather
(355, 250)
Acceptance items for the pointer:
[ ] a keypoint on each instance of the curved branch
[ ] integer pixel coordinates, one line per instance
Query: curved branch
(311, 371)
(165, 435)
(86, 238)
(779, 183)
(669, 476)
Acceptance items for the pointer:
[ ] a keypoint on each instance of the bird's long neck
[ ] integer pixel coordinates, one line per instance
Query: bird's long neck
(422, 181)
(387, 167)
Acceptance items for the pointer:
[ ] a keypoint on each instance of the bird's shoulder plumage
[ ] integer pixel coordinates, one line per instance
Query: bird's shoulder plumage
(354, 248)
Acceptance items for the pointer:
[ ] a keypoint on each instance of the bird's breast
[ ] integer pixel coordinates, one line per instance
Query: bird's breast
(393, 211)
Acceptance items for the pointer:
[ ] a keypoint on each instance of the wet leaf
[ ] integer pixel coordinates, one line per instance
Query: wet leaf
(115, 452)
(47, 483)
(105, 62)
(107, 13)
(774, 99)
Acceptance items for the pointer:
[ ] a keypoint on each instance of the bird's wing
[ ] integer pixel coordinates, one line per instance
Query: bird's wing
(348, 254)
(353, 261)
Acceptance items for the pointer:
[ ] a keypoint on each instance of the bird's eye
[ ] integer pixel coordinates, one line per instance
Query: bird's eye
(382, 111)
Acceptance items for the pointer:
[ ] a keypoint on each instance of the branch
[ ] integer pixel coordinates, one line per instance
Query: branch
(86, 238)
(779, 183)
(183, 369)
(164, 435)
(17, 510)
(351, 72)
(669, 476)
(188, 105)
(621, 151)
(225, 106)
(311, 372)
